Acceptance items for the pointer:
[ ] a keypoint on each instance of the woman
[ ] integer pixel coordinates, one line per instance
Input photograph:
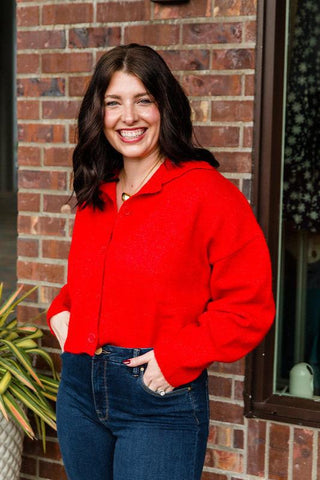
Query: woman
(168, 272)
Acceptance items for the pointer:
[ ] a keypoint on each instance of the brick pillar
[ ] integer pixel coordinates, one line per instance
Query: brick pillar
(210, 45)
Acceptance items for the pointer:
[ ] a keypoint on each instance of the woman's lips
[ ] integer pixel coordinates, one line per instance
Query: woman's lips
(133, 135)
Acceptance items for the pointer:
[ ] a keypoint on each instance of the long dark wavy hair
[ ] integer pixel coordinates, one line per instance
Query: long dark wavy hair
(94, 159)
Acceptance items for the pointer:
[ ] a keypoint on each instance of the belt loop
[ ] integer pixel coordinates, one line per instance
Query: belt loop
(136, 370)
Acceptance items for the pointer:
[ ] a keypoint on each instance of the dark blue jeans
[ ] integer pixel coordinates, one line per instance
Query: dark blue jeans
(111, 426)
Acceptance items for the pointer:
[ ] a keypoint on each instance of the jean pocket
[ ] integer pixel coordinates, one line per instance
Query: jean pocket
(175, 392)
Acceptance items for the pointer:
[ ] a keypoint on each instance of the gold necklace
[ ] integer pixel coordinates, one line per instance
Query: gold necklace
(125, 196)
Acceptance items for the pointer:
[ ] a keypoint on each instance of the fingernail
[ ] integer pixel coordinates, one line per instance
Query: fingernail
(126, 362)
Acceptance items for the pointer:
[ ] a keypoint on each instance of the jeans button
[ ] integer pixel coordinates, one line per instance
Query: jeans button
(98, 351)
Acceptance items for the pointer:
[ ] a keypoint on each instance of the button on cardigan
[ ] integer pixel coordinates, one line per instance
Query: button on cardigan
(182, 267)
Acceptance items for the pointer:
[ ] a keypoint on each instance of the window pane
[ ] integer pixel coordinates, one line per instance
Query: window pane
(298, 327)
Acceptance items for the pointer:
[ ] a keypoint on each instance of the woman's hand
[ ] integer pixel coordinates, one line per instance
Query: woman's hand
(60, 324)
(152, 377)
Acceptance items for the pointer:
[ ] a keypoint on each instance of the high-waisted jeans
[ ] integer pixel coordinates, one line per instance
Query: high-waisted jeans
(111, 426)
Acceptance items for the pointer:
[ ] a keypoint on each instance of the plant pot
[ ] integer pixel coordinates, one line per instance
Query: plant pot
(11, 444)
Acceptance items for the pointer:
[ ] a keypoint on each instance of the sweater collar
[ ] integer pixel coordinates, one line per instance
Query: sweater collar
(167, 172)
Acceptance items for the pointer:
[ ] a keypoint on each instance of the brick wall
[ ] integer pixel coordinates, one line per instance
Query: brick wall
(210, 45)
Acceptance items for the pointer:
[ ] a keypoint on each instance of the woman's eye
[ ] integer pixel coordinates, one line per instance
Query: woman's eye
(145, 101)
(110, 103)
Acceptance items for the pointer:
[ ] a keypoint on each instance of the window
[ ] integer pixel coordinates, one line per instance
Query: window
(287, 202)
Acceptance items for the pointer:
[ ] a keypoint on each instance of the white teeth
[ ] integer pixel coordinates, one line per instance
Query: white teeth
(132, 133)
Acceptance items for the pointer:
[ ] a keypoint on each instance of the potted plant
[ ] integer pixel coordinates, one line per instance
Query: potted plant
(22, 387)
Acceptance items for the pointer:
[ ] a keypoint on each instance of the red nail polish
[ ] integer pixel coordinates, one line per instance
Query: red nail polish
(126, 362)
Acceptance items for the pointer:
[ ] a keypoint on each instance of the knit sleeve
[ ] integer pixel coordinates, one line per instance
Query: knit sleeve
(59, 304)
(237, 317)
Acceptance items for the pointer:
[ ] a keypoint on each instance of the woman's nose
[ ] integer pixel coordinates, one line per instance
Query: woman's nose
(129, 114)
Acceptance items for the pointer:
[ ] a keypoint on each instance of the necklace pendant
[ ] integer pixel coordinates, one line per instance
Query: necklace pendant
(125, 196)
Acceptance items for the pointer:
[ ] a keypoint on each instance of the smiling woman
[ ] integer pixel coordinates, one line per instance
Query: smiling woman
(168, 271)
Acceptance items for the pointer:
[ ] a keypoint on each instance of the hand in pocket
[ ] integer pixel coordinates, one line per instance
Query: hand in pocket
(60, 325)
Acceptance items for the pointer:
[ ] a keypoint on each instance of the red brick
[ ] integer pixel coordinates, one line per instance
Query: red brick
(220, 411)
(28, 202)
(232, 111)
(234, 368)
(28, 109)
(249, 7)
(28, 63)
(238, 390)
(162, 34)
(86, 37)
(234, 59)
(124, 11)
(42, 179)
(46, 295)
(186, 59)
(36, 87)
(29, 156)
(29, 465)
(302, 454)
(200, 110)
(58, 156)
(28, 314)
(213, 476)
(238, 439)
(73, 133)
(278, 452)
(66, 62)
(40, 133)
(55, 249)
(212, 85)
(212, 33)
(224, 460)
(217, 136)
(58, 203)
(194, 8)
(68, 13)
(220, 435)
(234, 7)
(41, 39)
(28, 247)
(220, 386)
(53, 470)
(36, 225)
(249, 84)
(60, 109)
(236, 162)
(35, 448)
(250, 29)
(44, 272)
(78, 86)
(27, 16)
(256, 438)
(247, 136)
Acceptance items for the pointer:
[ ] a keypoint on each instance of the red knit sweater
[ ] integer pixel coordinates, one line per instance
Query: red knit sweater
(182, 267)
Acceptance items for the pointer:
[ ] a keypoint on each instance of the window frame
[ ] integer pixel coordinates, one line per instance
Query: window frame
(259, 399)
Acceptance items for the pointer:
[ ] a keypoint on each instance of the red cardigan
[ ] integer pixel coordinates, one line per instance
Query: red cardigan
(182, 267)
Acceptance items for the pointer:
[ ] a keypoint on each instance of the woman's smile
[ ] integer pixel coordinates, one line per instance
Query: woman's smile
(132, 135)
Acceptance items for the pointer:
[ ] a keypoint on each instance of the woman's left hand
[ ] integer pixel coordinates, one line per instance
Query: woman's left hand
(152, 377)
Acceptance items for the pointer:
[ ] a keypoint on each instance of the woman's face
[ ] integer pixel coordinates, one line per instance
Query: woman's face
(131, 118)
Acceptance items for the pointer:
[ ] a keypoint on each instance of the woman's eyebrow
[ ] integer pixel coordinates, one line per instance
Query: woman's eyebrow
(119, 96)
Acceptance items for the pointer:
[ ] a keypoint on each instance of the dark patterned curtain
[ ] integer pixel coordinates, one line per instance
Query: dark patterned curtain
(301, 196)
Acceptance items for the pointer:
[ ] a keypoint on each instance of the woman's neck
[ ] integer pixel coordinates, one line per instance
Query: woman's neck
(134, 170)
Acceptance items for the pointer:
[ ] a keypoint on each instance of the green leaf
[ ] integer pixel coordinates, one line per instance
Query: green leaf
(24, 360)
(18, 414)
(45, 414)
(45, 356)
(17, 373)
(3, 408)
